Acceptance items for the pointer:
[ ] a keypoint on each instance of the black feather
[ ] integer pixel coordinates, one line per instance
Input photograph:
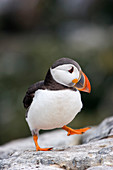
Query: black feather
(30, 93)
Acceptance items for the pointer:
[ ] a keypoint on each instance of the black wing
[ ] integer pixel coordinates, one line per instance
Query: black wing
(30, 93)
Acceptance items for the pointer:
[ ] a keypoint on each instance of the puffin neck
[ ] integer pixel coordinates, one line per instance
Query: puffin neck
(51, 84)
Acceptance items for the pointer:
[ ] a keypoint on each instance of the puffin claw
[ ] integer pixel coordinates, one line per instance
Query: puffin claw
(68, 134)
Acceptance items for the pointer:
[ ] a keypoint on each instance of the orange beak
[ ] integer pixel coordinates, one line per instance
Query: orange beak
(83, 84)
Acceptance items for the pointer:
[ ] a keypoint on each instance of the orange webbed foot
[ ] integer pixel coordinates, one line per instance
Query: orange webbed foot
(43, 149)
(75, 131)
(35, 138)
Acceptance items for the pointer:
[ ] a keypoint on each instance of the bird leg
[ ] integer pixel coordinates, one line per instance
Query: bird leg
(74, 131)
(35, 138)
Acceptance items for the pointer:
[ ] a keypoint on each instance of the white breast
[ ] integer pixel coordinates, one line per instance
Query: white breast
(53, 109)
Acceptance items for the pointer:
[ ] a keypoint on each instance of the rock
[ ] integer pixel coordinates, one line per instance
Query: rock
(99, 153)
(101, 168)
(104, 130)
(94, 155)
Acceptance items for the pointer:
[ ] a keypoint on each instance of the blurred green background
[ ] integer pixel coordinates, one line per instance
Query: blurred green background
(33, 34)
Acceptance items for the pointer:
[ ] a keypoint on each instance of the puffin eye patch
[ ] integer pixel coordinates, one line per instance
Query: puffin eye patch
(71, 70)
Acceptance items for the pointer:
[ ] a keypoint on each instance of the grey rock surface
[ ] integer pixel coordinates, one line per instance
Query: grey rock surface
(103, 130)
(94, 155)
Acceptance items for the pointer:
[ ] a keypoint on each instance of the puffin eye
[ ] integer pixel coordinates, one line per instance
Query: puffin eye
(71, 70)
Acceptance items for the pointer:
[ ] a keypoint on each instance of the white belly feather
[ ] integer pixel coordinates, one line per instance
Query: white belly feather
(53, 109)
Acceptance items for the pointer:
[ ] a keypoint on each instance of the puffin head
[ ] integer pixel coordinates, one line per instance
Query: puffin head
(67, 72)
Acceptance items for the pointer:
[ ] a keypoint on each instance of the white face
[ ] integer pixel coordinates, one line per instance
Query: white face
(65, 74)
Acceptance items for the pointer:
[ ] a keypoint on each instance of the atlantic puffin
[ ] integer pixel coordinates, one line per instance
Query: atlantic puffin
(55, 101)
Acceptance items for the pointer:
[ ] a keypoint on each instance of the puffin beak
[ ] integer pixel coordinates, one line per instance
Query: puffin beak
(83, 84)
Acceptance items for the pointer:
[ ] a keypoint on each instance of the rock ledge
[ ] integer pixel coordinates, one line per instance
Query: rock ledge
(94, 155)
